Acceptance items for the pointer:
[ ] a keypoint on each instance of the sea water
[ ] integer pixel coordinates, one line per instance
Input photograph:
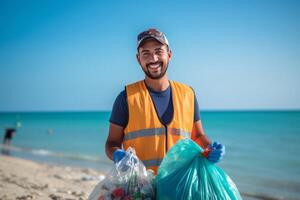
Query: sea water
(262, 148)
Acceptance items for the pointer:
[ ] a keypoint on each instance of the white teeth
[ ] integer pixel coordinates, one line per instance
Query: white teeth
(155, 66)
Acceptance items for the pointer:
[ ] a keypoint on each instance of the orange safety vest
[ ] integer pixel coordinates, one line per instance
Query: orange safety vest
(146, 133)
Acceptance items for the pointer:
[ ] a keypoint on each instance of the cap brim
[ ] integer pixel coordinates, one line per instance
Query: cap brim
(143, 40)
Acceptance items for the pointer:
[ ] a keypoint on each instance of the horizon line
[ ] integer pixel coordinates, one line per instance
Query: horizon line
(204, 110)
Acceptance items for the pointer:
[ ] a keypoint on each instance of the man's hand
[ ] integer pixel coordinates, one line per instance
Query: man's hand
(217, 151)
(118, 155)
(124, 160)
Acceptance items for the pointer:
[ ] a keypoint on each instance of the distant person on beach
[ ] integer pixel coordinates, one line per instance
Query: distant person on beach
(9, 134)
(151, 115)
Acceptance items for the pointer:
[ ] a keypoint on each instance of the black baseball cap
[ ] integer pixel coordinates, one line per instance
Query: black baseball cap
(152, 33)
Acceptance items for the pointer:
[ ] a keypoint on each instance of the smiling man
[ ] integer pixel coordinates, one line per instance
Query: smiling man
(151, 115)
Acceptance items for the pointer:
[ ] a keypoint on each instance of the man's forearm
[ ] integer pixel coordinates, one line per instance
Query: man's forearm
(202, 140)
(110, 147)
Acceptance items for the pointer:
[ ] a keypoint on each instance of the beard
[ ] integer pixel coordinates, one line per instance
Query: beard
(155, 77)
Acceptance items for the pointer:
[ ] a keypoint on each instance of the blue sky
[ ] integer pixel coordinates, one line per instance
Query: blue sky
(78, 55)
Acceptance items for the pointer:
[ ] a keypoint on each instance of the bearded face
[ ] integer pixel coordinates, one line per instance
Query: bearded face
(154, 59)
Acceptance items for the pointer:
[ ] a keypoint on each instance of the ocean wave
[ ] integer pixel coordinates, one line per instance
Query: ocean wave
(41, 152)
(261, 196)
(44, 152)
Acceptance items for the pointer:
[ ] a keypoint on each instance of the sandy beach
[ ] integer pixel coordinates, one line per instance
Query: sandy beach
(24, 179)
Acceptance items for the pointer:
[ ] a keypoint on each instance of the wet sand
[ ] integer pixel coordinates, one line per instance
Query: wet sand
(24, 179)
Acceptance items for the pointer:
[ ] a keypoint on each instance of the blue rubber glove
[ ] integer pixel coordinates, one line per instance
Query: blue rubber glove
(118, 155)
(217, 152)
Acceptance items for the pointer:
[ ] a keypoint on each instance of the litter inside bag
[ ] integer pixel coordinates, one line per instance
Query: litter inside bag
(128, 180)
(185, 174)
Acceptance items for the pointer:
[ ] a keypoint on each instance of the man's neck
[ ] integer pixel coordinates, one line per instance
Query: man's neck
(158, 84)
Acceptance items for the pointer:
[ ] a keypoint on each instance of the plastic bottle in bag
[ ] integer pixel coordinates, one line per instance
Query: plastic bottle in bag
(128, 180)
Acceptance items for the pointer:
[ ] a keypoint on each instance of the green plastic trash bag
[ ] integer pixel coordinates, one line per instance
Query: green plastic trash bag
(185, 174)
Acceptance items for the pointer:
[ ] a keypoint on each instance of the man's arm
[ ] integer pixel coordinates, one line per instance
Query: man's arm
(114, 139)
(217, 150)
(199, 136)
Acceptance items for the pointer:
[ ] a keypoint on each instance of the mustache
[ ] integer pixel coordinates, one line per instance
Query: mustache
(147, 65)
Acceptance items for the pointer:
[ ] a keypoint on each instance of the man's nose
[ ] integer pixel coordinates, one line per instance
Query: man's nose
(153, 57)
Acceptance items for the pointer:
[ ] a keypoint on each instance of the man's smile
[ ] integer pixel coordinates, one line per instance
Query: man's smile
(154, 65)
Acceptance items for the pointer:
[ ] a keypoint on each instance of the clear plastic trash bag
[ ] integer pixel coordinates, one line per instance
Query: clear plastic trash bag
(128, 180)
(185, 174)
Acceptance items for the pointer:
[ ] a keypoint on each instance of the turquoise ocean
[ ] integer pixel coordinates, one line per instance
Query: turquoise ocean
(262, 147)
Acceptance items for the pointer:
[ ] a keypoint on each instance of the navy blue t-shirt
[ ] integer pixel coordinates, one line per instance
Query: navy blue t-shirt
(162, 101)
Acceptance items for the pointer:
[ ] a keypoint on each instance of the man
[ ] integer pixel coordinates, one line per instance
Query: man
(153, 114)
(9, 134)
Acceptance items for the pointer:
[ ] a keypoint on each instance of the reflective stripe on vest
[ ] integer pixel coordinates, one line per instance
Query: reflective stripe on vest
(179, 132)
(155, 131)
(144, 133)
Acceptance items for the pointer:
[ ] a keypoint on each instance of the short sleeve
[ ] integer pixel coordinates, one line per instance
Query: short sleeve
(119, 114)
(196, 110)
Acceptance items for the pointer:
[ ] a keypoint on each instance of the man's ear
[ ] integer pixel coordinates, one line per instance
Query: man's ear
(170, 54)
(138, 58)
